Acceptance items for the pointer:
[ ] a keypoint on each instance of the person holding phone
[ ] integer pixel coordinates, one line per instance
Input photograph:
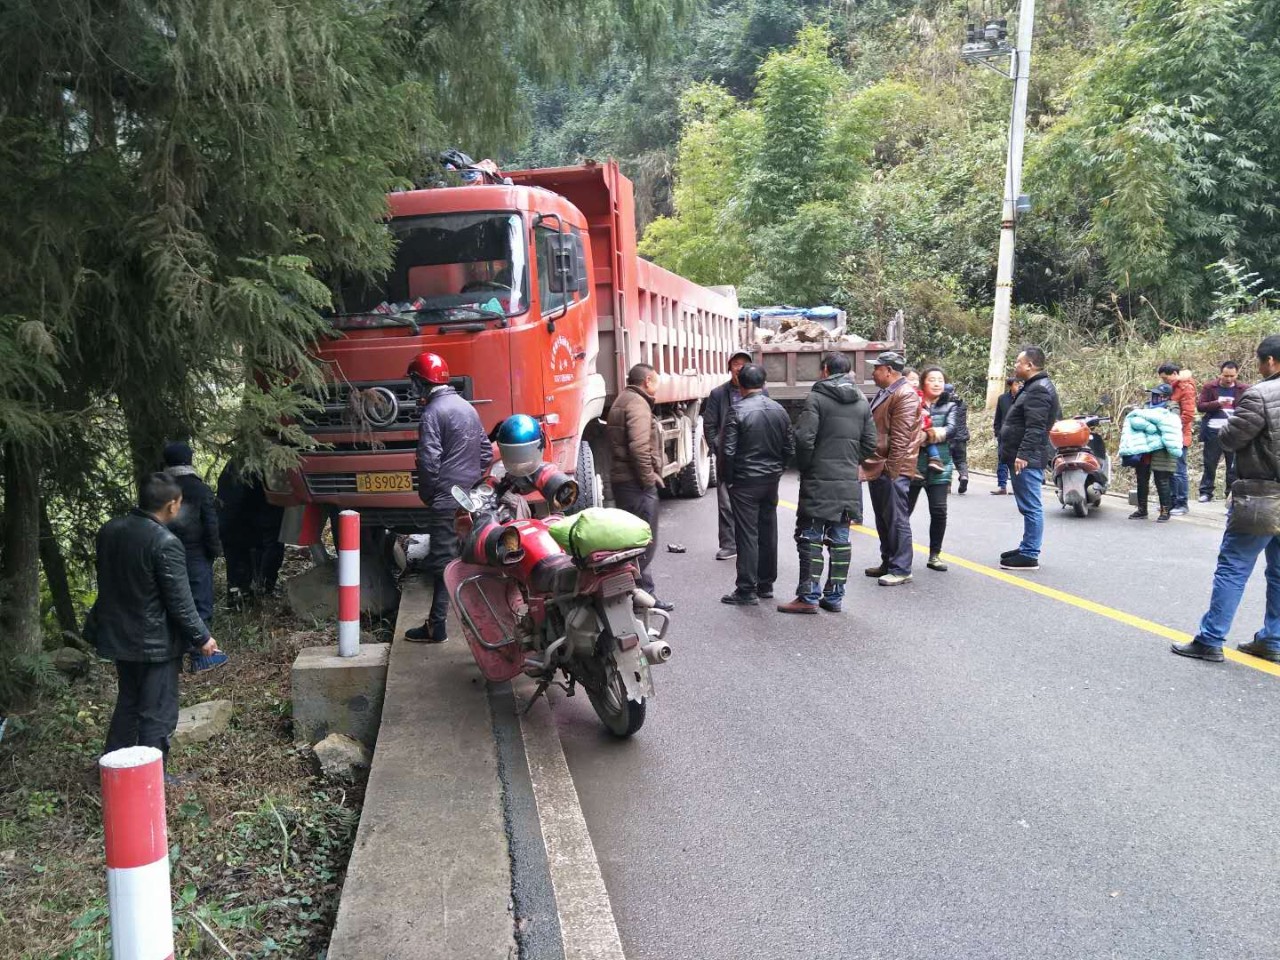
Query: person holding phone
(1217, 402)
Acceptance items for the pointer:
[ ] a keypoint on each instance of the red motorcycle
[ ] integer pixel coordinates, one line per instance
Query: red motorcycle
(527, 606)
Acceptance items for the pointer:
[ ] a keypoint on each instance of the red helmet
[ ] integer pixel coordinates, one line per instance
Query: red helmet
(429, 367)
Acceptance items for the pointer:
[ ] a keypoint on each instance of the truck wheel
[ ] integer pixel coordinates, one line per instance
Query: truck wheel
(590, 484)
(695, 477)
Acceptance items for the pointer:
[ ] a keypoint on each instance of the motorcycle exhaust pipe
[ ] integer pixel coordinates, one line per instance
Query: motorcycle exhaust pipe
(656, 651)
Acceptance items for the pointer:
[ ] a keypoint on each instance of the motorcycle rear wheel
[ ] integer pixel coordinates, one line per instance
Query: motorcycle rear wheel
(1081, 509)
(620, 716)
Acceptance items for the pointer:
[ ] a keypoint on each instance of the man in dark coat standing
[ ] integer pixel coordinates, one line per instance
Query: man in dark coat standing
(196, 526)
(758, 442)
(1024, 446)
(714, 414)
(834, 435)
(250, 530)
(453, 450)
(144, 618)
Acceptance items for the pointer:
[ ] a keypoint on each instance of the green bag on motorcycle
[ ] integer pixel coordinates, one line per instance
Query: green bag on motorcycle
(600, 528)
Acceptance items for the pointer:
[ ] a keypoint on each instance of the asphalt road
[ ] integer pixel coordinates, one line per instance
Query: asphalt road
(955, 768)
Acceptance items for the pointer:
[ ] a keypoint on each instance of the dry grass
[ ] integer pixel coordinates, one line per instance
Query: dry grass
(257, 844)
(1111, 376)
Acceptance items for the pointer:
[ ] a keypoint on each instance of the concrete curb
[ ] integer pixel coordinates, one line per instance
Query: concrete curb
(430, 873)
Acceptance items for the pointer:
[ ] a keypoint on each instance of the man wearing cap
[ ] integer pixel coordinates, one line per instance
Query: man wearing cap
(714, 416)
(899, 422)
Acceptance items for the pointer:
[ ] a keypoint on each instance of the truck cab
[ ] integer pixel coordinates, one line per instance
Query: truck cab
(494, 279)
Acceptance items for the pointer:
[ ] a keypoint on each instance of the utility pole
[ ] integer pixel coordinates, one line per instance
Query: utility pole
(981, 46)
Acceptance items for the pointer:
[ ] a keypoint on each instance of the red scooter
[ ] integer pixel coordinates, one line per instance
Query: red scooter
(527, 606)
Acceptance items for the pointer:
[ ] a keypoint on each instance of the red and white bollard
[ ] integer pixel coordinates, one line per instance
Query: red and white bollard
(137, 854)
(348, 583)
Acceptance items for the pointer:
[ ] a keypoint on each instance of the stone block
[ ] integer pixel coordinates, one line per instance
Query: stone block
(202, 722)
(341, 758)
(313, 594)
(333, 694)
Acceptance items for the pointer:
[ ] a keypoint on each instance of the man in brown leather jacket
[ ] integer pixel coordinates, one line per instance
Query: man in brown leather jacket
(899, 430)
(636, 470)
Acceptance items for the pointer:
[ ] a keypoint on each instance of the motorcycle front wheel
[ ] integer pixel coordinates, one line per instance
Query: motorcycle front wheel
(620, 716)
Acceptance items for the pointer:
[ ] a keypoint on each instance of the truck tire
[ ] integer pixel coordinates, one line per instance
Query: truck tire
(590, 483)
(694, 478)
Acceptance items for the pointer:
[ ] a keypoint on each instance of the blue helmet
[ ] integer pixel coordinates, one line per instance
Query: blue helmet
(520, 442)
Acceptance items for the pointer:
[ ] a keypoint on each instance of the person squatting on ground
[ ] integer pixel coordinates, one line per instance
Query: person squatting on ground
(958, 438)
(1011, 387)
(1253, 434)
(196, 526)
(899, 421)
(946, 418)
(1184, 396)
(834, 434)
(1150, 442)
(720, 401)
(1024, 446)
(249, 527)
(452, 450)
(145, 618)
(758, 442)
(636, 470)
(1217, 402)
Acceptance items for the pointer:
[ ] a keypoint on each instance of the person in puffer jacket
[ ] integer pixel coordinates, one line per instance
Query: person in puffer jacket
(1156, 430)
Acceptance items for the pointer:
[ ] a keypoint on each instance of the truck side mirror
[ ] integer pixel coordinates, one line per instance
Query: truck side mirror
(562, 279)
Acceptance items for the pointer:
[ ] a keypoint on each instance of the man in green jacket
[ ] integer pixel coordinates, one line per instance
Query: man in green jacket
(834, 435)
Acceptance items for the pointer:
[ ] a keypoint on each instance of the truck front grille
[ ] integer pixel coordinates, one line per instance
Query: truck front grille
(370, 407)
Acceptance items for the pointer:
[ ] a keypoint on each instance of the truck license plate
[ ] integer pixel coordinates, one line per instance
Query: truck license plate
(384, 483)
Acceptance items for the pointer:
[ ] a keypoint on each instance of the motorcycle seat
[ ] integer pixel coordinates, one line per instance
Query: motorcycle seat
(607, 558)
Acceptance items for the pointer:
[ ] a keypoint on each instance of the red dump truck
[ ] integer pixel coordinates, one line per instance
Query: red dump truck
(533, 293)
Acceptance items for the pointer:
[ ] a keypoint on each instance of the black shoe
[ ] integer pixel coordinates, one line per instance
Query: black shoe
(1138, 515)
(1198, 651)
(423, 634)
(665, 605)
(879, 571)
(964, 486)
(1256, 648)
(831, 606)
(764, 593)
(1020, 562)
(1164, 515)
(740, 599)
(1009, 553)
(726, 553)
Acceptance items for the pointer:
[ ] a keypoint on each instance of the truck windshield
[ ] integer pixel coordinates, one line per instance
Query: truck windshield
(448, 267)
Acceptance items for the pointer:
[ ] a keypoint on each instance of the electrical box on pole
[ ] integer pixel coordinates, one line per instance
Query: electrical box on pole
(986, 40)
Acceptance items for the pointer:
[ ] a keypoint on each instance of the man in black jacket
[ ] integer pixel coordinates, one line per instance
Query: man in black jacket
(757, 442)
(196, 526)
(1024, 446)
(1011, 387)
(452, 450)
(144, 618)
(834, 435)
(714, 415)
(249, 527)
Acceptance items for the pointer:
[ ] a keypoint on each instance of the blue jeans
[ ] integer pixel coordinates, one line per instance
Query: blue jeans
(811, 536)
(1002, 475)
(1180, 485)
(1236, 559)
(1026, 493)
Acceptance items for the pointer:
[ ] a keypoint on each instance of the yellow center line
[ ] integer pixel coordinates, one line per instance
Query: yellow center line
(1102, 610)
